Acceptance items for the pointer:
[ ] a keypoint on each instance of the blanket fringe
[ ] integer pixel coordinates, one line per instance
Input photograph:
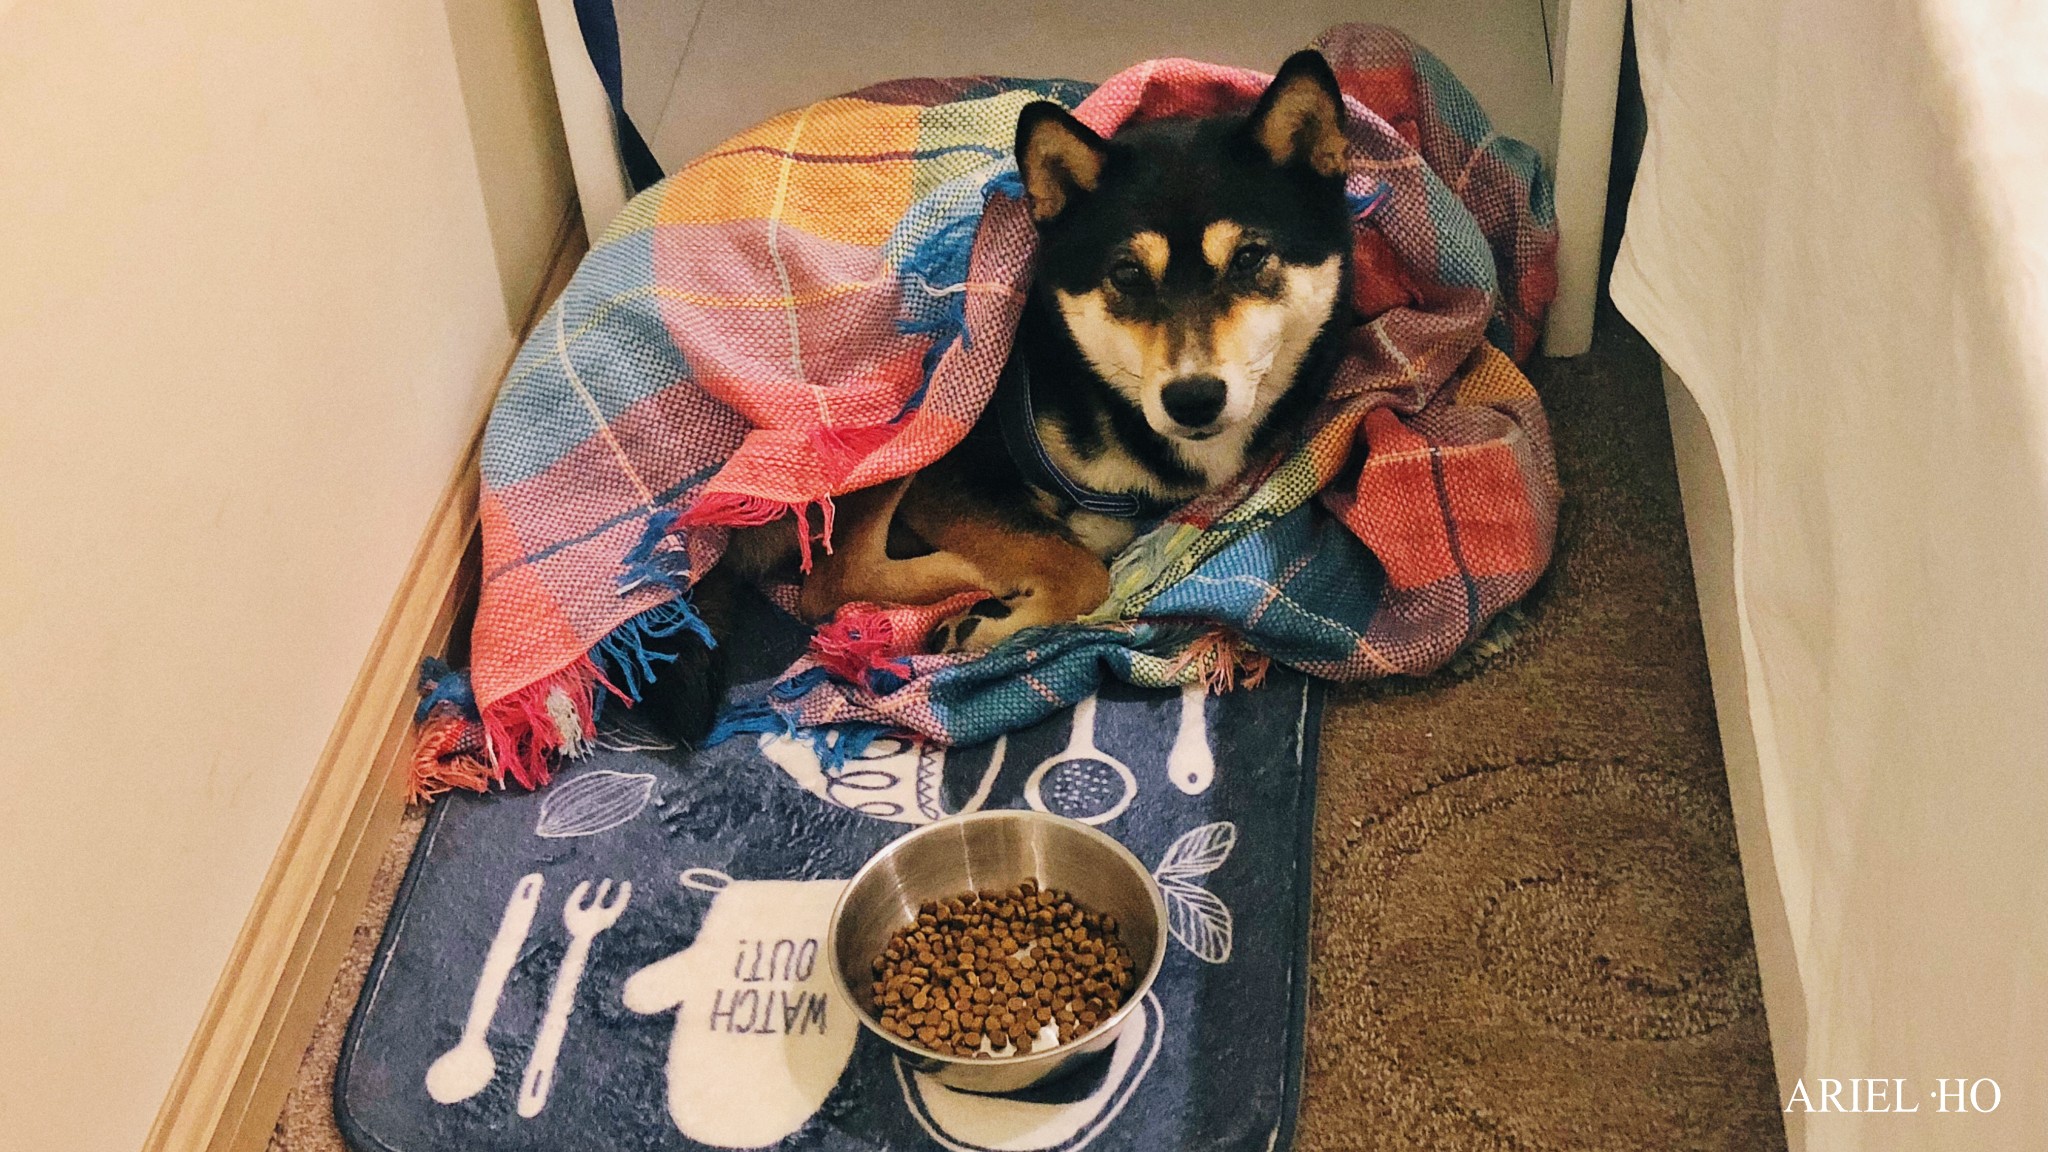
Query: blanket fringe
(1224, 661)
(627, 654)
(733, 509)
(752, 718)
(859, 645)
(454, 747)
(839, 743)
(447, 753)
(738, 510)
(649, 563)
(833, 744)
(556, 715)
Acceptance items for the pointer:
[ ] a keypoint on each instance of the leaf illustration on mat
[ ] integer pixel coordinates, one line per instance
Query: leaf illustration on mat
(1198, 852)
(593, 802)
(1199, 919)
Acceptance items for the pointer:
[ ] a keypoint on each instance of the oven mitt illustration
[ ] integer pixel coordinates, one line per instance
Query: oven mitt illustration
(759, 1038)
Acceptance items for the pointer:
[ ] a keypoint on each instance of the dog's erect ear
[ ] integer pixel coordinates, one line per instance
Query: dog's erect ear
(1300, 119)
(1061, 158)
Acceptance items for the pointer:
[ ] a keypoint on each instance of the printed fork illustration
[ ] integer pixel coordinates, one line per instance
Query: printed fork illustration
(584, 921)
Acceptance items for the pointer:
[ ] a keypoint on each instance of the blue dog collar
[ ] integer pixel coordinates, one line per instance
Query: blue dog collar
(1020, 437)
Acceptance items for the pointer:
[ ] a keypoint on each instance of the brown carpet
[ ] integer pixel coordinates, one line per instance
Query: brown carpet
(1530, 933)
(307, 1124)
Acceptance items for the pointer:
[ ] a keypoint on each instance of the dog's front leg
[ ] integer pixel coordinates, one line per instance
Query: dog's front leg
(1039, 574)
(859, 566)
(1049, 581)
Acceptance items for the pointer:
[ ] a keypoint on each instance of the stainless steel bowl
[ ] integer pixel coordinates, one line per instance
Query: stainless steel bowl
(979, 852)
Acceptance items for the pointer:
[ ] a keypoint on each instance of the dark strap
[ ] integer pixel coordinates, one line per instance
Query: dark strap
(600, 26)
(1020, 436)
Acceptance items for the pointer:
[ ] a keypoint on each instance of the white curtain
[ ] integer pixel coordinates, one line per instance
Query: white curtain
(1839, 240)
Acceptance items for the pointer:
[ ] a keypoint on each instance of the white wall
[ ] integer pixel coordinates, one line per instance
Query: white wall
(698, 71)
(257, 264)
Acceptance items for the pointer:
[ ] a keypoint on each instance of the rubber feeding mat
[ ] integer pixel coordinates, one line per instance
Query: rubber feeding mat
(630, 959)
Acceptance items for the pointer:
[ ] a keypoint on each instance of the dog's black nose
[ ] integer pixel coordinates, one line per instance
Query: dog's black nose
(1194, 401)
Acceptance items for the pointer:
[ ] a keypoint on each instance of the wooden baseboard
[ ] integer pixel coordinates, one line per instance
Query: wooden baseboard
(242, 1060)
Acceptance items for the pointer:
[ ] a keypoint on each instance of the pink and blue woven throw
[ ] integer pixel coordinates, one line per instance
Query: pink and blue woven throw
(825, 302)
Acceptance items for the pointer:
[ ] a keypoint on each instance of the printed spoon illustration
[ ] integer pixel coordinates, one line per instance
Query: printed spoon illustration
(464, 1070)
(584, 922)
(1081, 749)
(1191, 765)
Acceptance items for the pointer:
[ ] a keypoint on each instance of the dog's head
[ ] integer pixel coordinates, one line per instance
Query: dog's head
(1194, 262)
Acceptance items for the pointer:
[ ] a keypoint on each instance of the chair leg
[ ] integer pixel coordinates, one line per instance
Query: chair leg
(1587, 80)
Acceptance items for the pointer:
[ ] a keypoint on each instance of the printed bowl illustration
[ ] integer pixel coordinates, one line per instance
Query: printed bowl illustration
(986, 850)
(1066, 1117)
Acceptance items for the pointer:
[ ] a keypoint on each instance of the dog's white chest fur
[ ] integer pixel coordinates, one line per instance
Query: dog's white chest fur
(1103, 535)
(1218, 459)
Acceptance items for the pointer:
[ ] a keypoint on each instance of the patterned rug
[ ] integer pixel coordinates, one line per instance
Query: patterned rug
(628, 959)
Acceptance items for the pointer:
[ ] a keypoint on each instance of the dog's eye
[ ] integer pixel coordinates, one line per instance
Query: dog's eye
(1129, 276)
(1249, 259)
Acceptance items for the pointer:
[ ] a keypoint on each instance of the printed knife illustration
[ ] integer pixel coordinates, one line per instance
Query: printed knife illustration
(464, 1070)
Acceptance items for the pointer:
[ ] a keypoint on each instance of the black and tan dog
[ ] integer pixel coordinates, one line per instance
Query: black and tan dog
(1187, 312)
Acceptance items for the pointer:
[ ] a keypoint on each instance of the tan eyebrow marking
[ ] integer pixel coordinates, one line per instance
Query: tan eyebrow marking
(1152, 251)
(1219, 241)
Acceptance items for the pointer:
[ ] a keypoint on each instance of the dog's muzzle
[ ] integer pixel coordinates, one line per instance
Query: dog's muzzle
(1194, 402)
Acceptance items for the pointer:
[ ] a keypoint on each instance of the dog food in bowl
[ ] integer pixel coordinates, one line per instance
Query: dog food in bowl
(992, 974)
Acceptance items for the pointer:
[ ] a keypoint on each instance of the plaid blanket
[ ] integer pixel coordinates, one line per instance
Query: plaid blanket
(825, 302)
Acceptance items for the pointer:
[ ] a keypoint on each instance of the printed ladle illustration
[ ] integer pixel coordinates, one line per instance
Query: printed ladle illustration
(1081, 782)
(1191, 765)
(464, 1070)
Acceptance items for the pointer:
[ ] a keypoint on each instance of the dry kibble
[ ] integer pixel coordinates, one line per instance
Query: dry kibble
(980, 972)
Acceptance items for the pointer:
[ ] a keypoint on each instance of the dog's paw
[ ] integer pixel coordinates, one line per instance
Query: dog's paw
(690, 676)
(683, 700)
(984, 625)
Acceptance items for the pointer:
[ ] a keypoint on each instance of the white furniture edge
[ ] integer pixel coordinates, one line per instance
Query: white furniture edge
(1710, 534)
(1588, 78)
(601, 185)
(1588, 68)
